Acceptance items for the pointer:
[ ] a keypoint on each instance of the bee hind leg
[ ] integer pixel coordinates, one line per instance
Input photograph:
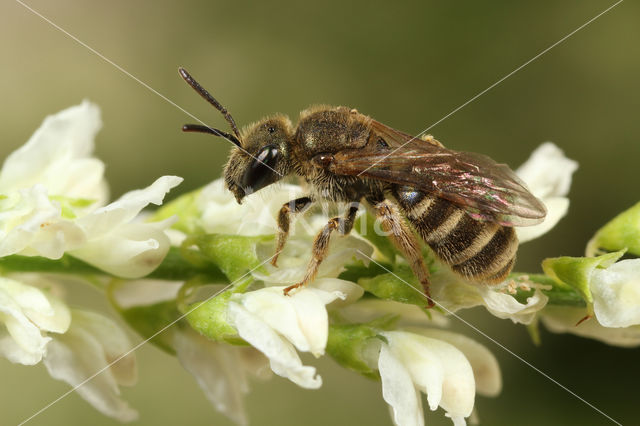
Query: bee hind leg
(321, 245)
(402, 237)
(284, 218)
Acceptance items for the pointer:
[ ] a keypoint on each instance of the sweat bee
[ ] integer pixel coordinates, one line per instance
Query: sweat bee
(463, 205)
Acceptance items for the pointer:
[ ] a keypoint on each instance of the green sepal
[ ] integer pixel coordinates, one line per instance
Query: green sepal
(401, 286)
(357, 270)
(534, 331)
(365, 225)
(233, 254)
(68, 205)
(148, 320)
(186, 209)
(575, 272)
(622, 232)
(209, 317)
(558, 293)
(347, 343)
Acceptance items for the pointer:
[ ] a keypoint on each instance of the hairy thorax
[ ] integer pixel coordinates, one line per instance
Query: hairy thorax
(327, 130)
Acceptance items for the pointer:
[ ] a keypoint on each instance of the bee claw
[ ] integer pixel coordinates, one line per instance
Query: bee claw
(288, 290)
(430, 303)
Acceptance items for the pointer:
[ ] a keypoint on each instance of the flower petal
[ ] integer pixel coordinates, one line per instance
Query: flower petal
(256, 216)
(485, 366)
(398, 390)
(115, 343)
(438, 368)
(124, 248)
(75, 357)
(424, 366)
(548, 172)
(101, 221)
(27, 313)
(300, 317)
(215, 368)
(25, 343)
(563, 319)
(282, 356)
(31, 224)
(454, 294)
(616, 293)
(557, 208)
(368, 309)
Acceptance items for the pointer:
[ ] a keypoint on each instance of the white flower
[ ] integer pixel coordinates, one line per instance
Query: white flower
(220, 212)
(453, 294)
(220, 370)
(616, 293)
(58, 156)
(547, 173)
(117, 243)
(28, 314)
(52, 195)
(410, 363)
(563, 319)
(91, 345)
(274, 324)
(366, 310)
(484, 364)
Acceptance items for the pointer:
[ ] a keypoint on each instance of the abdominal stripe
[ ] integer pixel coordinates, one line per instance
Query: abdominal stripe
(483, 251)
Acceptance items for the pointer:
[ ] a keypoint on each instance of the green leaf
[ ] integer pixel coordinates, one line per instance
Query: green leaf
(622, 232)
(347, 344)
(148, 320)
(186, 209)
(365, 225)
(401, 286)
(233, 254)
(575, 272)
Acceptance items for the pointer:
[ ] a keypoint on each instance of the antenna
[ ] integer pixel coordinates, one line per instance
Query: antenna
(207, 96)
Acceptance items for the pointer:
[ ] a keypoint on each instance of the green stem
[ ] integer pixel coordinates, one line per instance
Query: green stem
(174, 267)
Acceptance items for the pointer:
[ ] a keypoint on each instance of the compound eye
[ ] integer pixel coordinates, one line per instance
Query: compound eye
(261, 171)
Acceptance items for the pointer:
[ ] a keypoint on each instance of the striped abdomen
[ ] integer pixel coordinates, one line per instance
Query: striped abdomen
(481, 251)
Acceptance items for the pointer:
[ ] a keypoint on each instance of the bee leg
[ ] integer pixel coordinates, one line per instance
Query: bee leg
(296, 206)
(403, 238)
(321, 244)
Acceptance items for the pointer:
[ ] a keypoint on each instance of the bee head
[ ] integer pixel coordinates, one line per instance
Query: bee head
(260, 157)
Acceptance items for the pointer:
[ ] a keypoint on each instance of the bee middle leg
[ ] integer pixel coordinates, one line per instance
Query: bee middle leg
(404, 239)
(321, 244)
(284, 218)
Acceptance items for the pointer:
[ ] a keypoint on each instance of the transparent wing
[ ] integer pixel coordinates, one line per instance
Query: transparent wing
(487, 190)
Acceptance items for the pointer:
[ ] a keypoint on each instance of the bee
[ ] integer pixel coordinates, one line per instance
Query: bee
(462, 205)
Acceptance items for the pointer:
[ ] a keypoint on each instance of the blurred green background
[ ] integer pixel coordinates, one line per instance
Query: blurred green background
(407, 65)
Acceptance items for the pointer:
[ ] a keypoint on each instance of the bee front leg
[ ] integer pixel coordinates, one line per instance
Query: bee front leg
(403, 238)
(284, 217)
(321, 244)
